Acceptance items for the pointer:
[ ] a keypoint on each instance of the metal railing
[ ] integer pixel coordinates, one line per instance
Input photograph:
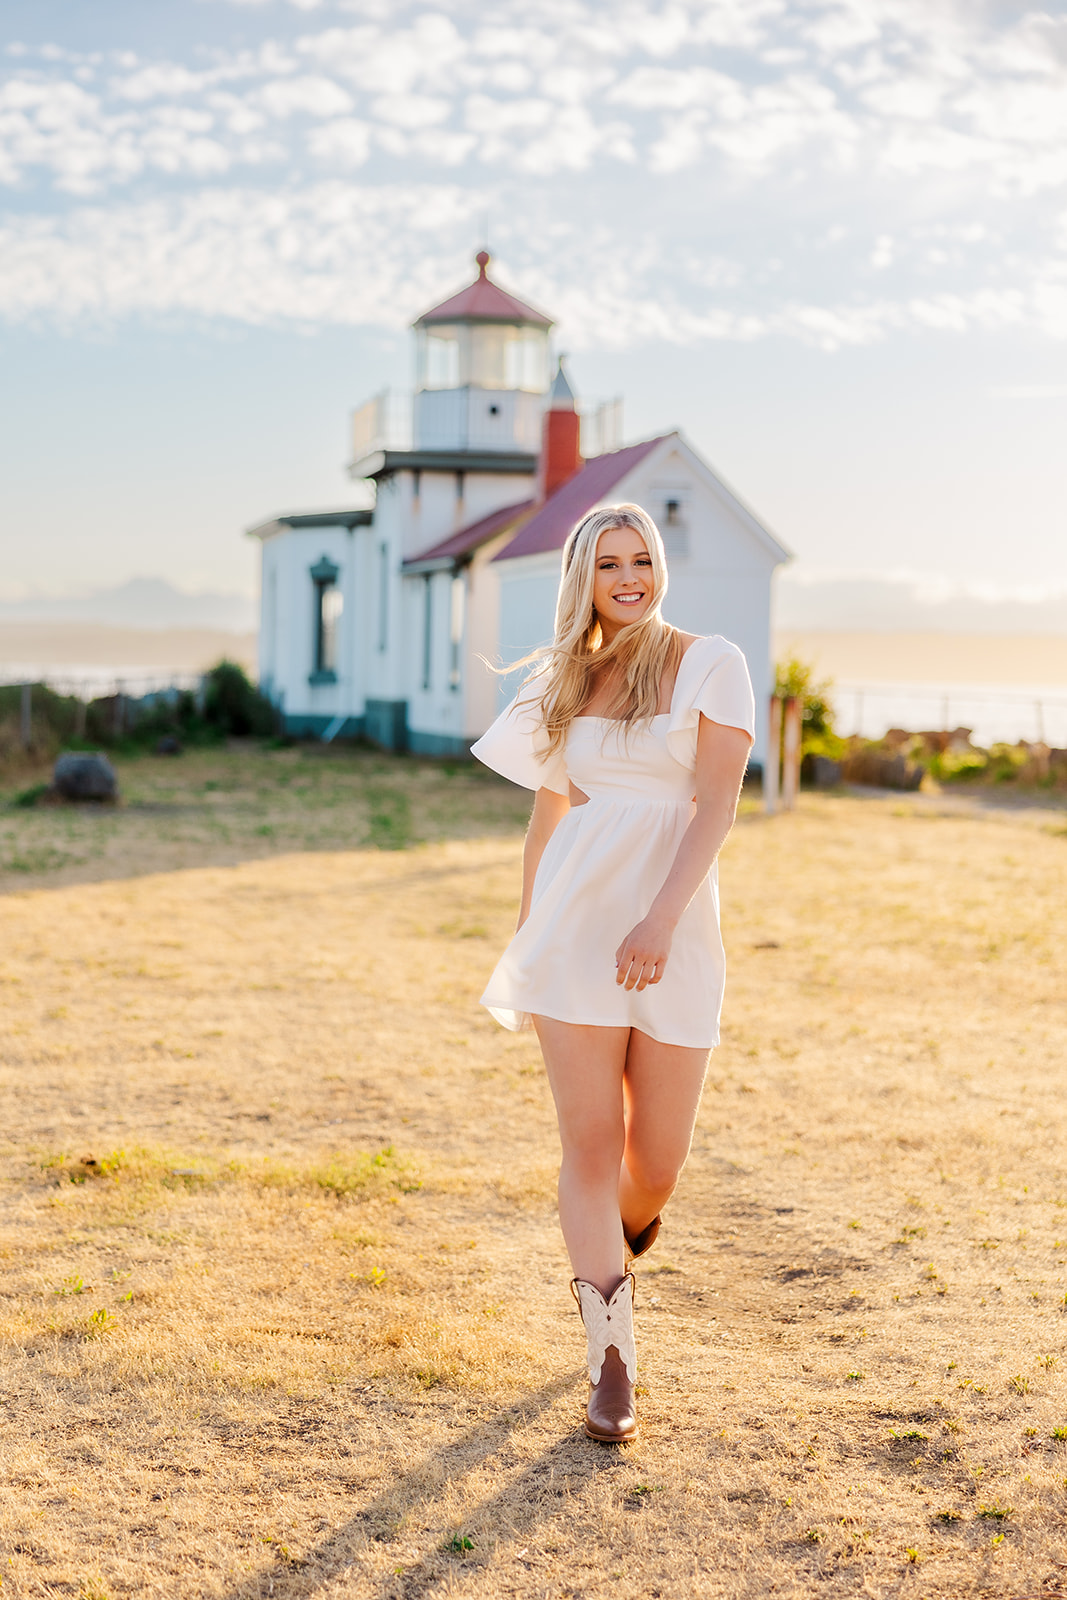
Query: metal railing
(382, 423)
(995, 716)
(127, 691)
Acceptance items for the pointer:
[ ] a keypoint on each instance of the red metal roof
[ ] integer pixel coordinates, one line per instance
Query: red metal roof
(549, 526)
(474, 534)
(484, 301)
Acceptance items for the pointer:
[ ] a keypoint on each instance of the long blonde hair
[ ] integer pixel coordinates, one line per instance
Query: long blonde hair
(643, 652)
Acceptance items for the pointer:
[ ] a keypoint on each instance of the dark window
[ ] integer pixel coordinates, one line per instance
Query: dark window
(460, 482)
(329, 604)
(674, 513)
(427, 630)
(456, 621)
(383, 596)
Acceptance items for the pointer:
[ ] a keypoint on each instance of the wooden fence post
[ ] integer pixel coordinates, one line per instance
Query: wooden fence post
(791, 753)
(771, 765)
(26, 716)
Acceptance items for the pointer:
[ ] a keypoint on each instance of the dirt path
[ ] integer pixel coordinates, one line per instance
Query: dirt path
(285, 1305)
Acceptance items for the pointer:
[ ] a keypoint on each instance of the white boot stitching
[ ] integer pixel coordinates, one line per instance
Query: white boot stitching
(603, 1330)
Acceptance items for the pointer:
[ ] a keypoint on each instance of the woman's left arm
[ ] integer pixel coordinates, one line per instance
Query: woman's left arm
(722, 755)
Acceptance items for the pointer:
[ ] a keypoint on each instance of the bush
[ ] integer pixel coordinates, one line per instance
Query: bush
(817, 737)
(234, 705)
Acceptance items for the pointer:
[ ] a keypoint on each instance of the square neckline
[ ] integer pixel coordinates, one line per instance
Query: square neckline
(658, 717)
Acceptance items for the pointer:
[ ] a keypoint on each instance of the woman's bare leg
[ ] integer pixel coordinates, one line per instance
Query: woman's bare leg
(662, 1086)
(585, 1068)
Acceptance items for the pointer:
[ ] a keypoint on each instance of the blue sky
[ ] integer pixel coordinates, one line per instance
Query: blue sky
(828, 238)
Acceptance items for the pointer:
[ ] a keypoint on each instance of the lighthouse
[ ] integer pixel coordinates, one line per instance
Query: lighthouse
(378, 620)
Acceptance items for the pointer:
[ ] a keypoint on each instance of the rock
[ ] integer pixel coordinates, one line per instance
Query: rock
(85, 775)
(881, 772)
(168, 746)
(820, 771)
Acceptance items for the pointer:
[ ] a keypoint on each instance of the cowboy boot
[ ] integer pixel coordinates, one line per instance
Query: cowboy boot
(610, 1415)
(644, 1240)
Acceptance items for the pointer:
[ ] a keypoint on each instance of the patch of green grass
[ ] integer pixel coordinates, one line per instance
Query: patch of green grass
(390, 817)
(995, 1513)
(25, 798)
(343, 1175)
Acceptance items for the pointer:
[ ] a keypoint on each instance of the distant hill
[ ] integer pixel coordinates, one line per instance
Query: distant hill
(139, 603)
(887, 605)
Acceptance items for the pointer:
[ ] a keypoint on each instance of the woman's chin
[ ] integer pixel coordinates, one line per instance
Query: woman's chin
(623, 617)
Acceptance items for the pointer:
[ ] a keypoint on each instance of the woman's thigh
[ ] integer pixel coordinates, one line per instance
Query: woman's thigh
(585, 1067)
(662, 1086)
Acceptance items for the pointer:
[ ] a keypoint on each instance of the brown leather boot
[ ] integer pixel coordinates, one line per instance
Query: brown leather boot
(644, 1240)
(610, 1413)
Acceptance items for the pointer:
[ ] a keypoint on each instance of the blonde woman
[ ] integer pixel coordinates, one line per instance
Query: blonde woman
(635, 737)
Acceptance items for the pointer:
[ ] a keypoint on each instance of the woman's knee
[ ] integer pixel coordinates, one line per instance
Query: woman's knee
(655, 1170)
(594, 1148)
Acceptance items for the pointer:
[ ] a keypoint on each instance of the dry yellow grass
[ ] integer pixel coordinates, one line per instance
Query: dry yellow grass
(284, 1303)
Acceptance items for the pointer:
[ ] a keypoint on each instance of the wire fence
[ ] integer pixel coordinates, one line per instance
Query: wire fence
(1036, 714)
(99, 683)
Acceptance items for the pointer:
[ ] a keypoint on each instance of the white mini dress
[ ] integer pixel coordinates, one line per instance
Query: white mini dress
(608, 859)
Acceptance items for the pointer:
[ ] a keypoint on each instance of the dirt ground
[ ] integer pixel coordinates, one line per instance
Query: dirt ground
(284, 1304)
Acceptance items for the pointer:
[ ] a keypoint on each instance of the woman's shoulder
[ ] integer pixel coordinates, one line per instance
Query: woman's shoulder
(706, 648)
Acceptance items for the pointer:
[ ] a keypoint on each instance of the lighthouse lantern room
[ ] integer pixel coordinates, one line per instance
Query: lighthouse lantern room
(482, 368)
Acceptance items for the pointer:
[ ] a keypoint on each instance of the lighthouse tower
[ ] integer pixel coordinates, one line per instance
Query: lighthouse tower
(482, 369)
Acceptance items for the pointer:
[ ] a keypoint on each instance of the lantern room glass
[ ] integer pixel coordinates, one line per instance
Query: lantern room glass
(485, 355)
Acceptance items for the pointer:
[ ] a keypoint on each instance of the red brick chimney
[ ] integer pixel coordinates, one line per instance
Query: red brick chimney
(560, 453)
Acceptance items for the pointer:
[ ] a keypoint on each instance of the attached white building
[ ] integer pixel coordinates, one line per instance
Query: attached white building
(374, 621)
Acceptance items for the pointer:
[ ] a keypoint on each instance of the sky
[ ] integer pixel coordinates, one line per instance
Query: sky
(826, 238)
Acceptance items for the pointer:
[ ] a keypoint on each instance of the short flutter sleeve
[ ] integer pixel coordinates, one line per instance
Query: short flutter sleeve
(516, 746)
(713, 679)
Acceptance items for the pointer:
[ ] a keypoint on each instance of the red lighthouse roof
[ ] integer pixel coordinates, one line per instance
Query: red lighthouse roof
(484, 301)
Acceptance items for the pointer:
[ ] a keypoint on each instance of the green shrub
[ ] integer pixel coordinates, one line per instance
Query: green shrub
(234, 705)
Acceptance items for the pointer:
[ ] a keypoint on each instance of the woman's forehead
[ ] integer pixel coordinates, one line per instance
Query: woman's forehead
(619, 541)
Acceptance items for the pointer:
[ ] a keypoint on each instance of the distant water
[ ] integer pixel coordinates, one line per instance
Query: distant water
(995, 713)
(91, 682)
(1036, 712)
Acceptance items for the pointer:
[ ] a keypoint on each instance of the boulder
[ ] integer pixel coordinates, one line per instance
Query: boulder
(881, 771)
(168, 746)
(820, 771)
(85, 775)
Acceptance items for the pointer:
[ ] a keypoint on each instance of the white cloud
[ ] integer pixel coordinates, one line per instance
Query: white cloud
(757, 131)
(344, 141)
(313, 96)
(331, 253)
(411, 111)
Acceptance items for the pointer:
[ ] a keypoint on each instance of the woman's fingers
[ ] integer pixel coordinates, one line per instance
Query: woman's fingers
(637, 972)
(641, 958)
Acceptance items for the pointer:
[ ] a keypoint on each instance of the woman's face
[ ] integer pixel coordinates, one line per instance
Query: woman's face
(623, 585)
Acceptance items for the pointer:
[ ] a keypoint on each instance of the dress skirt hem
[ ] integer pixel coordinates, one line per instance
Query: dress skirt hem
(522, 1022)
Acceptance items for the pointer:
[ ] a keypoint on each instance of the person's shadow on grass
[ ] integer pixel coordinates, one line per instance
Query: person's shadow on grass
(512, 1514)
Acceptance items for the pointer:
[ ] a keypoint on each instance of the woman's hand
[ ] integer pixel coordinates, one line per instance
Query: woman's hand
(642, 956)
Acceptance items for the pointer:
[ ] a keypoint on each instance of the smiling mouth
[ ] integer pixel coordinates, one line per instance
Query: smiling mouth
(627, 599)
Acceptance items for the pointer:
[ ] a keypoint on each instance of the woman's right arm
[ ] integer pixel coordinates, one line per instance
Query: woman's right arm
(548, 812)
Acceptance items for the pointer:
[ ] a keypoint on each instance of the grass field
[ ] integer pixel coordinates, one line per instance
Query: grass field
(284, 1304)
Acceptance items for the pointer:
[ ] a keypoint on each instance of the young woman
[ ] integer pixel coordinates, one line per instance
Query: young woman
(635, 737)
